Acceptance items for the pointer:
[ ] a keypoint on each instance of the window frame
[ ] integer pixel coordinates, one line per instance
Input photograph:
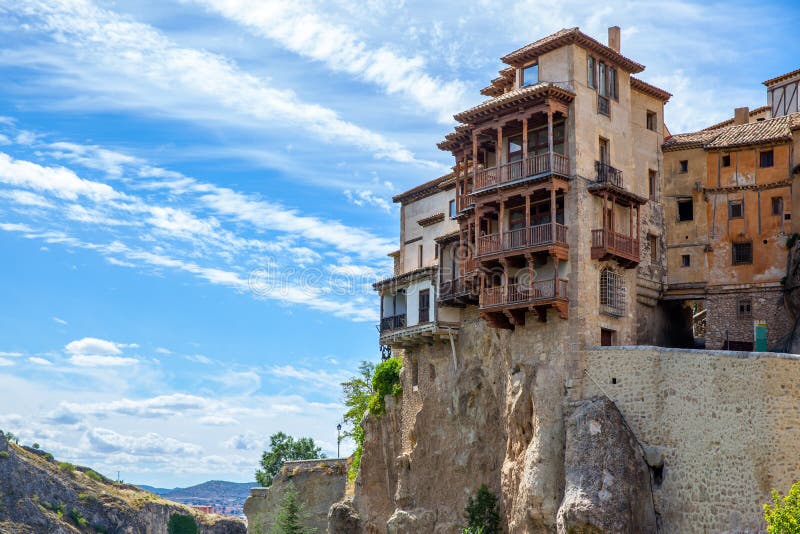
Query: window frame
(525, 71)
(737, 258)
(686, 260)
(683, 166)
(612, 292)
(452, 209)
(685, 201)
(748, 313)
(651, 120)
(725, 160)
(652, 183)
(778, 204)
(762, 156)
(732, 205)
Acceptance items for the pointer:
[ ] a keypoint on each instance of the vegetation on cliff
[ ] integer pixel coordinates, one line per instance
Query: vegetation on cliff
(783, 515)
(481, 513)
(282, 448)
(290, 518)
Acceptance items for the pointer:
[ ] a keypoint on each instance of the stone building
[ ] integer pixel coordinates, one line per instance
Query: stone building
(728, 202)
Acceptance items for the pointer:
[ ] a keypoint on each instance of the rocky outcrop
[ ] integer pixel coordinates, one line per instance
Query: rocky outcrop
(343, 518)
(39, 495)
(791, 300)
(318, 483)
(607, 479)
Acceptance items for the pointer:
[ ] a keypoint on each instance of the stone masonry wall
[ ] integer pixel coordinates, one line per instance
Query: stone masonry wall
(723, 320)
(727, 424)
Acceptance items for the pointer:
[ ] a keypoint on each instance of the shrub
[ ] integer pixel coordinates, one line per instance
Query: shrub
(4, 454)
(35, 446)
(66, 467)
(385, 381)
(481, 513)
(49, 457)
(97, 477)
(182, 524)
(783, 516)
(77, 517)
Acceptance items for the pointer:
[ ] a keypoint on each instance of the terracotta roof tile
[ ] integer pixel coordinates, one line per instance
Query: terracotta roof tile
(423, 190)
(729, 122)
(512, 97)
(754, 133)
(652, 90)
(776, 79)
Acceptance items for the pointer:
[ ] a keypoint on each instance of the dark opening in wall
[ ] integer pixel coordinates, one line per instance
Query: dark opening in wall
(613, 380)
(658, 475)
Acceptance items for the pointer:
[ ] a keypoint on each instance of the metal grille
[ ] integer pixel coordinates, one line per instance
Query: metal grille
(742, 253)
(612, 293)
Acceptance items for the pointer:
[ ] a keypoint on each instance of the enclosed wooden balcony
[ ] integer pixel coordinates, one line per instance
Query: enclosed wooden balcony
(534, 166)
(533, 239)
(504, 306)
(608, 244)
(459, 291)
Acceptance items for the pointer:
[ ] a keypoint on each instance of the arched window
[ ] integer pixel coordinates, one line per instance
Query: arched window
(612, 292)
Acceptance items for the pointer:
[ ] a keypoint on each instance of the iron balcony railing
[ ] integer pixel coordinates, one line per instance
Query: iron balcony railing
(534, 236)
(394, 322)
(524, 293)
(516, 170)
(608, 174)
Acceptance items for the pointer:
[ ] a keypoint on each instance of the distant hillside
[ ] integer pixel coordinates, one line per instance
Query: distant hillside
(212, 489)
(40, 495)
(153, 489)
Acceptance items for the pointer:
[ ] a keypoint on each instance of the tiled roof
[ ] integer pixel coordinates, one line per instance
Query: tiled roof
(652, 90)
(754, 133)
(516, 97)
(422, 190)
(564, 37)
(773, 81)
(729, 122)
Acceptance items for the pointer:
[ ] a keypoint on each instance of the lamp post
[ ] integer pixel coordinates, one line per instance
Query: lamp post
(338, 439)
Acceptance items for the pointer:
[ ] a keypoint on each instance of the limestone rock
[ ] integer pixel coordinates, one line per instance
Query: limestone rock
(343, 518)
(607, 480)
(791, 300)
(411, 522)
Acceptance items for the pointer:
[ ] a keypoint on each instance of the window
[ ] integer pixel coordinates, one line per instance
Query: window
(745, 308)
(652, 121)
(612, 293)
(653, 240)
(591, 73)
(726, 160)
(424, 305)
(514, 148)
(686, 260)
(684, 166)
(607, 337)
(652, 179)
(605, 152)
(777, 205)
(419, 256)
(436, 251)
(742, 253)
(452, 209)
(735, 209)
(767, 159)
(685, 210)
(530, 75)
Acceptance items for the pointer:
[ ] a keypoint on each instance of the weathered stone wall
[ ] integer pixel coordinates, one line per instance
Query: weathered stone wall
(723, 320)
(319, 484)
(727, 423)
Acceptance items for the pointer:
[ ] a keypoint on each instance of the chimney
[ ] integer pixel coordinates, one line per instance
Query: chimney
(741, 116)
(614, 38)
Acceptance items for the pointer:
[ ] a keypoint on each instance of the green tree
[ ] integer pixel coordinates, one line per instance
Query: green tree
(481, 512)
(282, 448)
(357, 393)
(291, 516)
(783, 516)
(385, 381)
(182, 524)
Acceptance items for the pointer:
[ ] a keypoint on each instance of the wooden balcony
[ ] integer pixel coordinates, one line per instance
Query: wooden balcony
(517, 170)
(505, 306)
(607, 244)
(394, 322)
(459, 291)
(534, 239)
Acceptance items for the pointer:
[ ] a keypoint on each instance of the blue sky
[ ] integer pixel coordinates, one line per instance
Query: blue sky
(195, 196)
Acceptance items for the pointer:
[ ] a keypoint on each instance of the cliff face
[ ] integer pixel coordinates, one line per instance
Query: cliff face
(496, 412)
(36, 496)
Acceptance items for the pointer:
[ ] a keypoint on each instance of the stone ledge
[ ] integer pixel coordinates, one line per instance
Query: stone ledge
(721, 353)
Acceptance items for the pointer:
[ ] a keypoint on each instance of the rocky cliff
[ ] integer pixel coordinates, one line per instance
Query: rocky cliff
(37, 494)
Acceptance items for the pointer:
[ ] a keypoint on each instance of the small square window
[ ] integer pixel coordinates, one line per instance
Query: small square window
(685, 210)
(530, 75)
(735, 209)
(767, 158)
(745, 308)
(686, 260)
(742, 253)
(726, 160)
(777, 205)
(684, 165)
(652, 121)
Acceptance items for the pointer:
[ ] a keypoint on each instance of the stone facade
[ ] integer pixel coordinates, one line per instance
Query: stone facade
(725, 322)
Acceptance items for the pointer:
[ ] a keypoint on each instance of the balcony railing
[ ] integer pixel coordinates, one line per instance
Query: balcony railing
(456, 287)
(516, 170)
(603, 105)
(393, 323)
(608, 174)
(524, 293)
(607, 241)
(535, 236)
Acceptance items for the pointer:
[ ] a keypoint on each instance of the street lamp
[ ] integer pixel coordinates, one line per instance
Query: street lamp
(338, 439)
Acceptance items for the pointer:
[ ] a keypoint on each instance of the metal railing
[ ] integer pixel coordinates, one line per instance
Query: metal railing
(538, 290)
(508, 172)
(393, 323)
(607, 174)
(538, 235)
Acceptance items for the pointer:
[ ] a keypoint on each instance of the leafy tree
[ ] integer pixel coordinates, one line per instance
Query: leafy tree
(282, 448)
(783, 516)
(357, 394)
(290, 517)
(11, 437)
(481, 513)
(385, 381)
(182, 524)
(35, 446)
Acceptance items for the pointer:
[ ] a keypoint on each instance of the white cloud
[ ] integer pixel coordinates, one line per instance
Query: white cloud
(301, 28)
(60, 321)
(366, 197)
(94, 346)
(92, 360)
(248, 441)
(26, 198)
(11, 354)
(5, 362)
(39, 361)
(106, 441)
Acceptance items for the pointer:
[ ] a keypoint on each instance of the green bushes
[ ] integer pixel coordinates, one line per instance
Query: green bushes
(783, 516)
(385, 381)
(182, 524)
(66, 467)
(97, 477)
(481, 513)
(3, 455)
(77, 517)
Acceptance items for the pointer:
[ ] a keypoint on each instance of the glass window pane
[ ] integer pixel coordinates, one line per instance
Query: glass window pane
(530, 75)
